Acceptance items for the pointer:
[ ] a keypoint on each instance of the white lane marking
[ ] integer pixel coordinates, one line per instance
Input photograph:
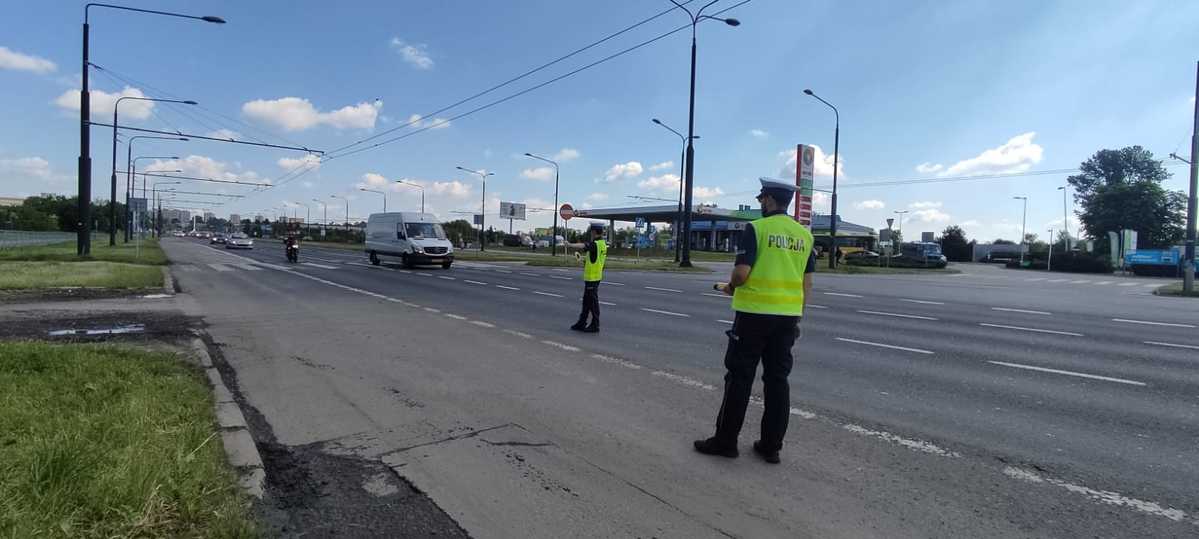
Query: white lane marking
(1025, 311)
(898, 315)
(506, 287)
(922, 301)
(1148, 323)
(662, 289)
(473, 282)
(613, 283)
(530, 274)
(482, 323)
(1057, 280)
(803, 413)
(315, 265)
(560, 278)
(520, 334)
(432, 310)
(608, 303)
(548, 294)
(424, 274)
(455, 317)
(725, 321)
(841, 294)
(616, 361)
(249, 267)
(220, 267)
(409, 272)
(881, 345)
(1127, 284)
(1068, 373)
(721, 296)
(918, 445)
(1152, 285)
(1104, 496)
(1172, 345)
(503, 271)
(809, 305)
(566, 347)
(684, 380)
(668, 313)
(1104, 282)
(1080, 281)
(1035, 330)
(1035, 280)
(157, 296)
(446, 278)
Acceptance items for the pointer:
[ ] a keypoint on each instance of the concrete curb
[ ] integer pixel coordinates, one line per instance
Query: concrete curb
(168, 282)
(240, 448)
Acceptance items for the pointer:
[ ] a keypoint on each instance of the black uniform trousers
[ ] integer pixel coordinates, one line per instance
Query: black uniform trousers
(590, 303)
(766, 338)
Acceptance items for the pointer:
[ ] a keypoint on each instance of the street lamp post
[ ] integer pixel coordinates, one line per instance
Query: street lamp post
(682, 172)
(832, 261)
(129, 174)
(483, 210)
(1023, 225)
(554, 234)
(1065, 218)
(901, 214)
(325, 218)
(112, 202)
(379, 192)
(83, 238)
(422, 192)
(156, 209)
(689, 180)
(347, 214)
(1049, 262)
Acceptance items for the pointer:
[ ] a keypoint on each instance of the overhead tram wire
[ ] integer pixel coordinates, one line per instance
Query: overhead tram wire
(509, 81)
(333, 155)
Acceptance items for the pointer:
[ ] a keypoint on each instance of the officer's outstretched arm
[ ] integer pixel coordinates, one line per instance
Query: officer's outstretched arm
(739, 276)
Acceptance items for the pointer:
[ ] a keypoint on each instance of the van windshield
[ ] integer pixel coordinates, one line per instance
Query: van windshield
(422, 231)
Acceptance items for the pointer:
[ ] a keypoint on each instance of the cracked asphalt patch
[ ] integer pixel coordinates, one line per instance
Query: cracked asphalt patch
(312, 492)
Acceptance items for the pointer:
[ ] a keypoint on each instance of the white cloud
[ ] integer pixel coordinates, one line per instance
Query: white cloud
(103, 102)
(10, 59)
(870, 205)
(308, 184)
(971, 223)
(25, 167)
(541, 174)
(413, 54)
(759, 134)
(596, 197)
(925, 205)
(1018, 154)
(298, 114)
(198, 166)
(665, 182)
(620, 171)
(371, 179)
(308, 161)
(224, 134)
(823, 162)
(416, 120)
(707, 192)
(928, 168)
(931, 215)
(662, 166)
(566, 154)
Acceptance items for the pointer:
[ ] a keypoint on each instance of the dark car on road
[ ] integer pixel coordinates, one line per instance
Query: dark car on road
(862, 258)
(218, 238)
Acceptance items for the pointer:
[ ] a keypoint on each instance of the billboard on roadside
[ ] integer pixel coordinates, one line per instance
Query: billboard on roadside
(512, 210)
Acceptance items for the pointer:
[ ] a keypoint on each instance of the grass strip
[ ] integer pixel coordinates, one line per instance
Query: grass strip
(37, 275)
(129, 253)
(109, 441)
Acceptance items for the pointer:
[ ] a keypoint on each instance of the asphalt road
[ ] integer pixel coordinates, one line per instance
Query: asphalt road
(988, 403)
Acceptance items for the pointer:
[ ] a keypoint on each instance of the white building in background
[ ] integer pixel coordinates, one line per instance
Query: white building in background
(208, 216)
(235, 218)
(183, 216)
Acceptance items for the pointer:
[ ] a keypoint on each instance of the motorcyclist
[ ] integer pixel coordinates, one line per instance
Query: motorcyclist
(291, 243)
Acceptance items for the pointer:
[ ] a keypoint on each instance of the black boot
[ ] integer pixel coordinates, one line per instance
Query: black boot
(711, 447)
(767, 455)
(593, 328)
(581, 325)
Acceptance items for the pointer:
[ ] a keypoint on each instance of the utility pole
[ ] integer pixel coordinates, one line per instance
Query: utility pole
(1188, 279)
(1023, 227)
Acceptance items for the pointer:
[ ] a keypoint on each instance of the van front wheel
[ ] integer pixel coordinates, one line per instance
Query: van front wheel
(374, 259)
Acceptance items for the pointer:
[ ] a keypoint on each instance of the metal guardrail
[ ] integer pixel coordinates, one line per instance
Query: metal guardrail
(10, 239)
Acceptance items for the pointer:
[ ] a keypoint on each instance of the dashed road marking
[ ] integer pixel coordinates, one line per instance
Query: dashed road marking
(881, 345)
(721, 296)
(482, 323)
(249, 267)
(662, 289)
(1148, 323)
(446, 278)
(1103, 496)
(560, 278)
(1104, 282)
(613, 283)
(923, 301)
(530, 274)
(506, 287)
(617, 361)
(1025, 311)
(918, 445)
(455, 316)
(473, 282)
(1034, 330)
(520, 334)
(315, 265)
(841, 294)
(424, 274)
(898, 315)
(1127, 284)
(608, 303)
(684, 380)
(730, 322)
(1080, 281)
(1057, 280)
(548, 294)
(668, 313)
(1172, 345)
(814, 306)
(432, 310)
(1068, 373)
(566, 347)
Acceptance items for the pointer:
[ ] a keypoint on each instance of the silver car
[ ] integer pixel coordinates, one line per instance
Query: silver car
(239, 241)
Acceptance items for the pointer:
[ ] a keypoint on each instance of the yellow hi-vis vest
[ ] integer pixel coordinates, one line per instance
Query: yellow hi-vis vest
(775, 284)
(594, 271)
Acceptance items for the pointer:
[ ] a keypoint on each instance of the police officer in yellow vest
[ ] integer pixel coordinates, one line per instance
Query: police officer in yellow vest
(595, 252)
(771, 276)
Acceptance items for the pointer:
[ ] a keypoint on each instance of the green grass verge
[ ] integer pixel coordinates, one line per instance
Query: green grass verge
(644, 264)
(35, 275)
(1175, 289)
(106, 441)
(129, 253)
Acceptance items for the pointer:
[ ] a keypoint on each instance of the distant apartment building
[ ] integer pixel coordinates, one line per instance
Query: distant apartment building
(208, 216)
(11, 201)
(182, 216)
(235, 218)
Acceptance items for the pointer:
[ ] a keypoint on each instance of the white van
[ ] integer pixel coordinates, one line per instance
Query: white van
(414, 238)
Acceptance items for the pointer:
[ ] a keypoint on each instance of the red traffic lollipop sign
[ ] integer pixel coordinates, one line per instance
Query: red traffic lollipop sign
(566, 212)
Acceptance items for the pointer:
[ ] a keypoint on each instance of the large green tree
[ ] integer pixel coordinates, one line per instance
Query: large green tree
(954, 244)
(1122, 189)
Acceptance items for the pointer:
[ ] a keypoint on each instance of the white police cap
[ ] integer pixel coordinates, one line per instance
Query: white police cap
(771, 183)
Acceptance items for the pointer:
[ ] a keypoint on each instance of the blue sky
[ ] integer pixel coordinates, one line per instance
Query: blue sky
(925, 89)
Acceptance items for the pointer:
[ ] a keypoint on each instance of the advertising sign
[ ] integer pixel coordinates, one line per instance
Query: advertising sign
(927, 236)
(512, 210)
(478, 219)
(805, 177)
